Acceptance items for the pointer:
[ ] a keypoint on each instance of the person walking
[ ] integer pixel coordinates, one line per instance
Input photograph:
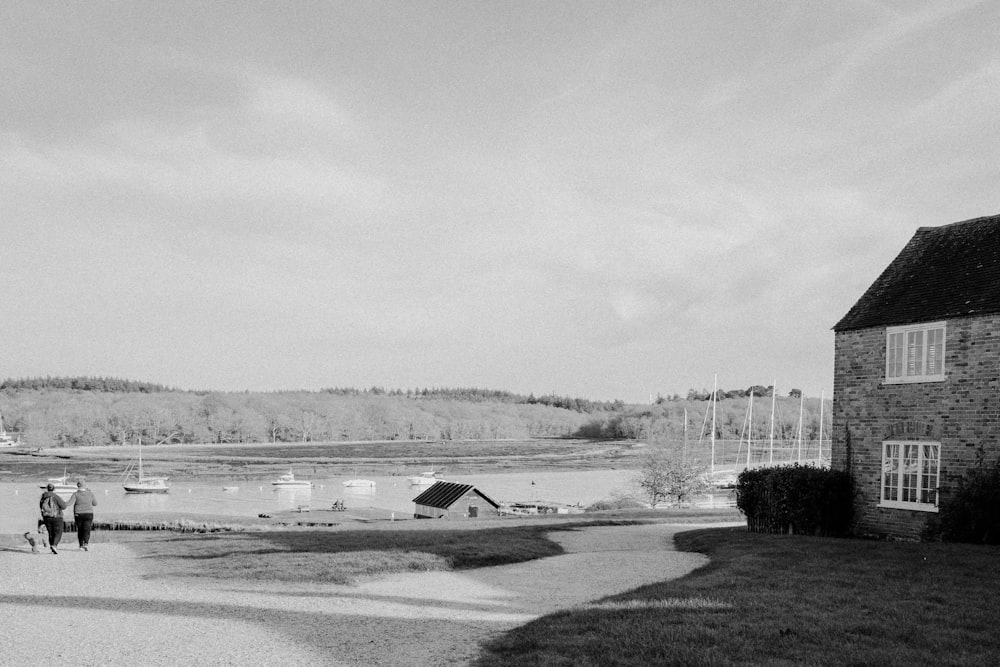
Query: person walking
(52, 507)
(83, 502)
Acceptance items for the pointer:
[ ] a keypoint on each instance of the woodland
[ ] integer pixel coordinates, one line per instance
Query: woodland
(74, 412)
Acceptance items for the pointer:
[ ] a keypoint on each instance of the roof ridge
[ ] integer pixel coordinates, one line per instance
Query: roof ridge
(942, 272)
(981, 218)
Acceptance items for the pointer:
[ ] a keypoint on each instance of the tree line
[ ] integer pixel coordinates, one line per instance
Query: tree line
(64, 412)
(691, 420)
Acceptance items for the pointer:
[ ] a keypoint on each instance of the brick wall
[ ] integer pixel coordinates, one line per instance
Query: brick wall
(961, 413)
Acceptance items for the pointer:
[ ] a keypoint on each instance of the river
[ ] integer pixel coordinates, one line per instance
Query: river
(19, 502)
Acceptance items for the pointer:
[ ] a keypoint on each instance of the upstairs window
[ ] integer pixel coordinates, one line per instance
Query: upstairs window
(915, 353)
(910, 475)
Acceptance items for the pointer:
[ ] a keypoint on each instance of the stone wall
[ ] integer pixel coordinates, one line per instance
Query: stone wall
(962, 413)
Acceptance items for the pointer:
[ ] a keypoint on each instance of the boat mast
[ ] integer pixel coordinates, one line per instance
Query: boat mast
(774, 392)
(750, 435)
(685, 428)
(819, 452)
(743, 433)
(802, 398)
(715, 394)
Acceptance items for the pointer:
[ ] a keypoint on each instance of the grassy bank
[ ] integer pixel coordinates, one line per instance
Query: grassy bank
(344, 556)
(785, 600)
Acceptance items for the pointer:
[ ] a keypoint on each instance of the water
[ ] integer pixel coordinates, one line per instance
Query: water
(19, 502)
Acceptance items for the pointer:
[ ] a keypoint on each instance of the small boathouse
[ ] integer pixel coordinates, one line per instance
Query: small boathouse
(451, 500)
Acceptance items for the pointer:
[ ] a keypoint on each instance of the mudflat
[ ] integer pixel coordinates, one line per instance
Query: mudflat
(265, 460)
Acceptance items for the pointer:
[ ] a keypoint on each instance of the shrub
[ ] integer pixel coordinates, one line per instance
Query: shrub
(796, 499)
(972, 512)
(615, 502)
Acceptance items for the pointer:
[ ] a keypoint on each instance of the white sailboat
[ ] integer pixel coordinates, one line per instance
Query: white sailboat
(145, 484)
(5, 439)
(61, 485)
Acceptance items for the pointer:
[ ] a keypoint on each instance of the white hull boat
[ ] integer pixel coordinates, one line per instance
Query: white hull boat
(61, 485)
(148, 485)
(429, 477)
(145, 484)
(359, 483)
(288, 481)
(7, 441)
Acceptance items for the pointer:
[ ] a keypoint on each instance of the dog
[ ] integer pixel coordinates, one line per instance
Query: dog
(31, 540)
(43, 534)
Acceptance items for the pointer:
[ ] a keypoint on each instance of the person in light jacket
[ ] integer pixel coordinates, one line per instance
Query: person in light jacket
(83, 502)
(52, 507)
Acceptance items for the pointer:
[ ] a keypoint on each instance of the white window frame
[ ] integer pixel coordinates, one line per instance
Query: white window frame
(911, 475)
(907, 353)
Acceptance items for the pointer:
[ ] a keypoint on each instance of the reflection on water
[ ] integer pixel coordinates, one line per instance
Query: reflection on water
(290, 499)
(142, 502)
(360, 490)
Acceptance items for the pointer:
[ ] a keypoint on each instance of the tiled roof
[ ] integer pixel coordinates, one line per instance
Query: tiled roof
(444, 494)
(943, 272)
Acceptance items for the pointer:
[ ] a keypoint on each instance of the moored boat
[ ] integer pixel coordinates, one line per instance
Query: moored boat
(359, 483)
(5, 439)
(145, 484)
(363, 483)
(288, 481)
(148, 485)
(61, 485)
(428, 477)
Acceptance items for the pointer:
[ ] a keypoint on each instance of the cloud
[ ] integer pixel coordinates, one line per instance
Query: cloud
(289, 100)
(285, 144)
(859, 52)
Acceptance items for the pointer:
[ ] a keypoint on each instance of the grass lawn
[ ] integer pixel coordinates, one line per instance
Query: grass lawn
(785, 600)
(343, 556)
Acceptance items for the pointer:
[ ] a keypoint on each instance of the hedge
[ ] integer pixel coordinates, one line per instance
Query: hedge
(796, 499)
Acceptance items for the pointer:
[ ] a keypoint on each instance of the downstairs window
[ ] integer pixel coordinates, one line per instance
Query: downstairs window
(910, 475)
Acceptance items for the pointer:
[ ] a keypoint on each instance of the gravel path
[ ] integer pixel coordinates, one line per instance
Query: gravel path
(101, 607)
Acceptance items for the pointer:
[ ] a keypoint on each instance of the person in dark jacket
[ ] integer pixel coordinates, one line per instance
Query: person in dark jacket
(52, 507)
(83, 502)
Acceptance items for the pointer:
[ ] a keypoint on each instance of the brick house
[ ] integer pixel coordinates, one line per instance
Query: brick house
(917, 376)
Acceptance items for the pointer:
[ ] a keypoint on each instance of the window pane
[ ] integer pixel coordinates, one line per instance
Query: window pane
(910, 473)
(894, 356)
(935, 351)
(890, 472)
(914, 353)
(929, 474)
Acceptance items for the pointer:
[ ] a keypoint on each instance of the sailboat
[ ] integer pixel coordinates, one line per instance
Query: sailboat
(61, 485)
(5, 439)
(145, 484)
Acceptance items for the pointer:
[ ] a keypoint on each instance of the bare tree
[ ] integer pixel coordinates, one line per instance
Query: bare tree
(664, 474)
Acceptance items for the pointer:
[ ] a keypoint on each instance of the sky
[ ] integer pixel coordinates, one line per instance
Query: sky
(607, 200)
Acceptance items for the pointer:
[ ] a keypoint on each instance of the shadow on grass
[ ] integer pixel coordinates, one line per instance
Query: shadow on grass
(785, 600)
(341, 556)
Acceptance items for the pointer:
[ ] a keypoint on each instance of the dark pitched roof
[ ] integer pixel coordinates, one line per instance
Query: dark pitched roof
(943, 272)
(444, 494)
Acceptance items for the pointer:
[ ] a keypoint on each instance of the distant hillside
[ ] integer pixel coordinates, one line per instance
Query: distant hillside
(62, 412)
